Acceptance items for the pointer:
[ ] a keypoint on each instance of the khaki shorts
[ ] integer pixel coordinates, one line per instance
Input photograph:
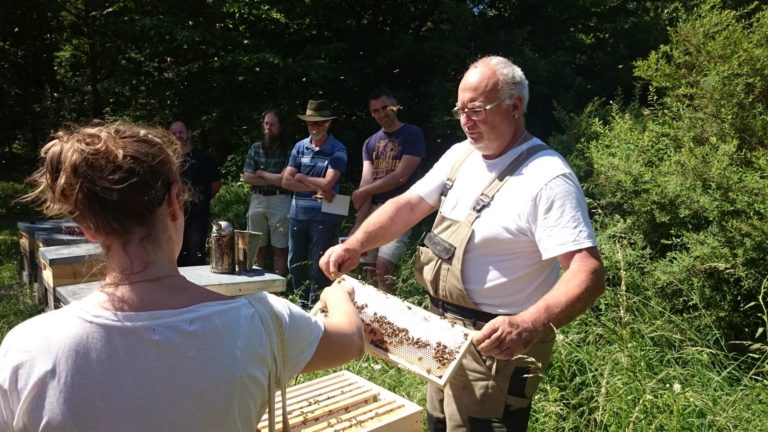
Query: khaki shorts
(391, 251)
(269, 216)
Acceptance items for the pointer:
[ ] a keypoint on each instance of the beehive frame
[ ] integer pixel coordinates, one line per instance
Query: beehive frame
(422, 343)
(345, 402)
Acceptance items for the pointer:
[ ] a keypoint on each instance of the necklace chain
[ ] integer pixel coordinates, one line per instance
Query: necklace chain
(130, 282)
(520, 140)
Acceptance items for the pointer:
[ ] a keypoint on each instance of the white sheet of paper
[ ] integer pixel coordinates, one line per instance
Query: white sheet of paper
(339, 205)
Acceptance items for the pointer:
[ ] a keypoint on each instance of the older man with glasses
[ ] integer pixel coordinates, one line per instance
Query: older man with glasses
(313, 173)
(512, 252)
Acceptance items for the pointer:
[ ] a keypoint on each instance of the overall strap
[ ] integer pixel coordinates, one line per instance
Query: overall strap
(276, 326)
(487, 195)
(454, 172)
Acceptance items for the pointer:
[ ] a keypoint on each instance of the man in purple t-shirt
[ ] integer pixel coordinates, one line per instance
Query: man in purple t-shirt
(392, 160)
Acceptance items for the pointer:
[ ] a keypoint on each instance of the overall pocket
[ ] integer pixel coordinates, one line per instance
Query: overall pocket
(426, 267)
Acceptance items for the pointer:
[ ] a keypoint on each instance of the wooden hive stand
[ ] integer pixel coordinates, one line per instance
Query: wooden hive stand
(345, 402)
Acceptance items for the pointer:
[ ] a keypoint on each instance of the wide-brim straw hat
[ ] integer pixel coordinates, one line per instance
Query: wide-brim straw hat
(317, 110)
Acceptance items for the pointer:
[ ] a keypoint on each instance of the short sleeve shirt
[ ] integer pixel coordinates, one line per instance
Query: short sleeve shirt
(510, 260)
(315, 163)
(385, 150)
(261, 158)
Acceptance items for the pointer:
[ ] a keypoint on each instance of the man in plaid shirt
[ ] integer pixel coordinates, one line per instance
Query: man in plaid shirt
(270, 203)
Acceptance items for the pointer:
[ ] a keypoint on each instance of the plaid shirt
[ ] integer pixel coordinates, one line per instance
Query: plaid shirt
(271, 160)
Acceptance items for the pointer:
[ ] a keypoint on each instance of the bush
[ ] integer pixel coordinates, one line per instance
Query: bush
(9, 209)
(681, 184)
(231, 204)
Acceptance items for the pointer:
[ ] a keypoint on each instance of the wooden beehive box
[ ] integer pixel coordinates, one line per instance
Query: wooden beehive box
(68, 265)
(345, 402)
(50, 239)
(28, 247)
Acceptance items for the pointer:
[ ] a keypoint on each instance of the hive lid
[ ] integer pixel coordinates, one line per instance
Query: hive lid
(68, 254)
(406, 335)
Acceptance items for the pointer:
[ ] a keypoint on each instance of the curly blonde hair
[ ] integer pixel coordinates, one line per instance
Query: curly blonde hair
(109, 178)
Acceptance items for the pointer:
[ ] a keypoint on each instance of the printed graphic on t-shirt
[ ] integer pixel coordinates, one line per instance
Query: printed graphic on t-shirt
(386, 156)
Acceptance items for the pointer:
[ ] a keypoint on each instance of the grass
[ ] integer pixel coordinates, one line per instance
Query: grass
(16, 299)
(627, 365)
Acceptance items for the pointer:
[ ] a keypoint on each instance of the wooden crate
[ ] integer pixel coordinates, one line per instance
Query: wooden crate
(68, 265)
(346, 402)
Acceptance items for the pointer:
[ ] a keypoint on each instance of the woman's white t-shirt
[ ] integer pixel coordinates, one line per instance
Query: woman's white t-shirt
(200, 368)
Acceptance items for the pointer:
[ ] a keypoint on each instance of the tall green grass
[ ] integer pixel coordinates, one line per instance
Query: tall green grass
(16, 299)
(630, 365)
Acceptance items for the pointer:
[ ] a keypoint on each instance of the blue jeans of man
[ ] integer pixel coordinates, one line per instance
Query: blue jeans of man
(196, 227)
(307, 241)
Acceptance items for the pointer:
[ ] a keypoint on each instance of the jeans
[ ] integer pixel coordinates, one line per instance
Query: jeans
(307, 241)
(196, 227)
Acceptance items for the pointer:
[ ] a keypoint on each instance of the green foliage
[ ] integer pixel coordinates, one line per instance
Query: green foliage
(218, 65)
(684, 178)
(231, 204)
(11, 210)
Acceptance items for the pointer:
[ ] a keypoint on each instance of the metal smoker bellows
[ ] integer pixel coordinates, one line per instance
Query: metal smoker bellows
(410, 337)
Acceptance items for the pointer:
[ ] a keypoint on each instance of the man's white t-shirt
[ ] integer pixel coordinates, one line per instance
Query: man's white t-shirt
(201, 368)
(510, 260)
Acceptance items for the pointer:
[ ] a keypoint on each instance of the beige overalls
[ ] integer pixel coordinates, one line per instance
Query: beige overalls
(484, 394)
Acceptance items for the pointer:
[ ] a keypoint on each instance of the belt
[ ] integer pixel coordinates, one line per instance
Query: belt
(269, 193)
(474, 315)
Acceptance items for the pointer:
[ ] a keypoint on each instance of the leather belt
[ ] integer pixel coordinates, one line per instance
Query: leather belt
(474, 315)
(269, 193)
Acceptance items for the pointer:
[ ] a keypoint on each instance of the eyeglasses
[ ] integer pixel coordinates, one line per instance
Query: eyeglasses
(385, 108)
(474, 113)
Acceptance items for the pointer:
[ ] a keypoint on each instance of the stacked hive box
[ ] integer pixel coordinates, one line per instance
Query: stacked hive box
(67, 265)
(49, 239)
(346, 402)
(28, 247)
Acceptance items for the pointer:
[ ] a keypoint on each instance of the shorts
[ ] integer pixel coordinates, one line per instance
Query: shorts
(391, 251)
(269, 215)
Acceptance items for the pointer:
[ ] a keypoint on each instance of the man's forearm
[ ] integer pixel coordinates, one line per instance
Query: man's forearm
(317, 183)
(390, 220)
(254, 179)
(270, 178)
(384, 184)
(577, 289)
(296, 186)
(394, 179)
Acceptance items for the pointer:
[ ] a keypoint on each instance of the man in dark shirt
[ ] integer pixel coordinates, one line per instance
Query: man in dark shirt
(204, 179)
(392, 159)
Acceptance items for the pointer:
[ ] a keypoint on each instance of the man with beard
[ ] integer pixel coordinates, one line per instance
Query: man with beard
(270, 203)
(392, 159)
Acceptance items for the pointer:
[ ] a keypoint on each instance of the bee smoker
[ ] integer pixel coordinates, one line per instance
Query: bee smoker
(222, 247)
